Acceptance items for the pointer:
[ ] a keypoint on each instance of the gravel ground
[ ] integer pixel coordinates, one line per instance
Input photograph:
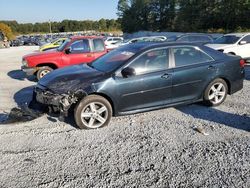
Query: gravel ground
(154, 149)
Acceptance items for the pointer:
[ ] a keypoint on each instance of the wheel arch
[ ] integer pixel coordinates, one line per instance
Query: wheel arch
(233, 53)
(228, 84)
(220, 77)
(51, 65)
(109, 99)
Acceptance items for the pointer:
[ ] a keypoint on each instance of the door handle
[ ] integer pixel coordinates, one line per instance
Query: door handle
(211, 67)
(166, 76)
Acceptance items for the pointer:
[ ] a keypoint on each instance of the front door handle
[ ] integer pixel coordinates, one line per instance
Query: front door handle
(89, 55)
(211, 67)
(166, 76)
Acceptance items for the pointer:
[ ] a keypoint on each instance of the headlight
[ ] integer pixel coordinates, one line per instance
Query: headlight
(25, 63)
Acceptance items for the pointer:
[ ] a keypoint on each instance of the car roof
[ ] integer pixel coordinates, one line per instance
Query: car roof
(86, 37)
(150, 45)
(191, 34)
(237, 34)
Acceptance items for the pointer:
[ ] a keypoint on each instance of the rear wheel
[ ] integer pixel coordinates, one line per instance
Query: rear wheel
(216, 92)
(93, 112)
(43, 71)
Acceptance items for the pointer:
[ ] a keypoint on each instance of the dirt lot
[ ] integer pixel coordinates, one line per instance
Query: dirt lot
(155, 149)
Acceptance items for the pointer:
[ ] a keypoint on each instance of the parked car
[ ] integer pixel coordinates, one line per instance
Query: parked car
(75, 50)
(140, 77)
(16, 42)
(143, 39)
(234, 43)
(198, 38)
(52, 45)
(112, 42)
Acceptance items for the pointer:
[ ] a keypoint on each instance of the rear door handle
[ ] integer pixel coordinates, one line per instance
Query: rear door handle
(166, 76)
(211, 67)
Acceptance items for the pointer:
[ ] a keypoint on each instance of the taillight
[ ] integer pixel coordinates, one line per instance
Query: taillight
(242, 63)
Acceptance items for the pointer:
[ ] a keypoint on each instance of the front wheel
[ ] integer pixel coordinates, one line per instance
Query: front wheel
(42, 72)
(93, 112)
(216, 92)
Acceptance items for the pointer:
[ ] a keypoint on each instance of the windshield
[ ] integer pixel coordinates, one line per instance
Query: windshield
(63, 45)
(114, 59)
(228, 39)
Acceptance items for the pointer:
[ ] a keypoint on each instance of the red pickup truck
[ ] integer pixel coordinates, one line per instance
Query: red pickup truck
(75, 50)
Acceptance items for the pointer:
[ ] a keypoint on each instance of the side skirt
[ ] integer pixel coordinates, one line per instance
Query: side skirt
(156, 108)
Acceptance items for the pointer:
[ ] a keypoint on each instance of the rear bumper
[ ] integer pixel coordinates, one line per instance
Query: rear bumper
(29, 71)
(237, 85)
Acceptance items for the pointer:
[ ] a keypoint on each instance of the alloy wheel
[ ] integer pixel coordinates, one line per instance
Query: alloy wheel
(217, 93)
(94, 115)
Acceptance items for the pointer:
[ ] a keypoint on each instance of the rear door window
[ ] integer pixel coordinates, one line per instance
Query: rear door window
(189, 55)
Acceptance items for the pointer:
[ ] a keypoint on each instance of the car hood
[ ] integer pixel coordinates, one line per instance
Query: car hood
(219, 46)
(46, 44)
(50, 53)
(70, 78)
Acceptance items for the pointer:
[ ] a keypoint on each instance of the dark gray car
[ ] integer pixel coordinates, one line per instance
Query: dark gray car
(141, 77)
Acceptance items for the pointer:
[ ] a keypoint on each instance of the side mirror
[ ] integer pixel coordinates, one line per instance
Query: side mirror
(67, 51)
(242, 42)
(128, 72)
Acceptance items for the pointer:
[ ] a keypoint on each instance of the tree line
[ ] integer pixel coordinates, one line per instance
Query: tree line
(184, 15)
(103, 25)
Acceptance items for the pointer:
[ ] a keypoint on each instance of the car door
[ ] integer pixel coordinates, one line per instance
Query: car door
(151, 84)
(79, 52)
(243, 49)
(192, 71)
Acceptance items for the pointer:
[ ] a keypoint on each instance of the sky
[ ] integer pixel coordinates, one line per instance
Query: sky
(31, 11)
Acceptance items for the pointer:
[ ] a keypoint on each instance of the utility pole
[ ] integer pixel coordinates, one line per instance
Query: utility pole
(50, 30)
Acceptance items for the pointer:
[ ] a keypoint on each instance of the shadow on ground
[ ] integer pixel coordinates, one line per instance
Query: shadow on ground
(236, 121)
(21, 113)
(20, 75)
(25, 112)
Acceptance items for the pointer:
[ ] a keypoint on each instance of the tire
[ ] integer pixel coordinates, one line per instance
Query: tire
(42, 72)
(216, 92)
(93, 112)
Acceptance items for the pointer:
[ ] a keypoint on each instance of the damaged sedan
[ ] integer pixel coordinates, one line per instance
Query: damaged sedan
(140, 77)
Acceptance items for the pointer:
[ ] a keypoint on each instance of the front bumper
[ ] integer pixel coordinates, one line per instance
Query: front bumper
(29, 71)
(56, 102)
(46, 97)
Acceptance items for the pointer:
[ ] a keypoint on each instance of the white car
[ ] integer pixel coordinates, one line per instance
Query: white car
(144, 39)
(234, 43)
(110, 42)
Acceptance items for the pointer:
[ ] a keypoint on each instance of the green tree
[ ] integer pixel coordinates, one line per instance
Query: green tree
(6, 30)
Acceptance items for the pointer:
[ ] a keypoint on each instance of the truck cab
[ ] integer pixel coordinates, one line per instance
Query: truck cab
(75, 50)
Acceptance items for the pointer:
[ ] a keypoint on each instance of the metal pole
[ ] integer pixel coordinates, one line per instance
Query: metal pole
(50, 30)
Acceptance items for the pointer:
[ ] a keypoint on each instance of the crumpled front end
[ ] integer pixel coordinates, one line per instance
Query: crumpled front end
(54, 101)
